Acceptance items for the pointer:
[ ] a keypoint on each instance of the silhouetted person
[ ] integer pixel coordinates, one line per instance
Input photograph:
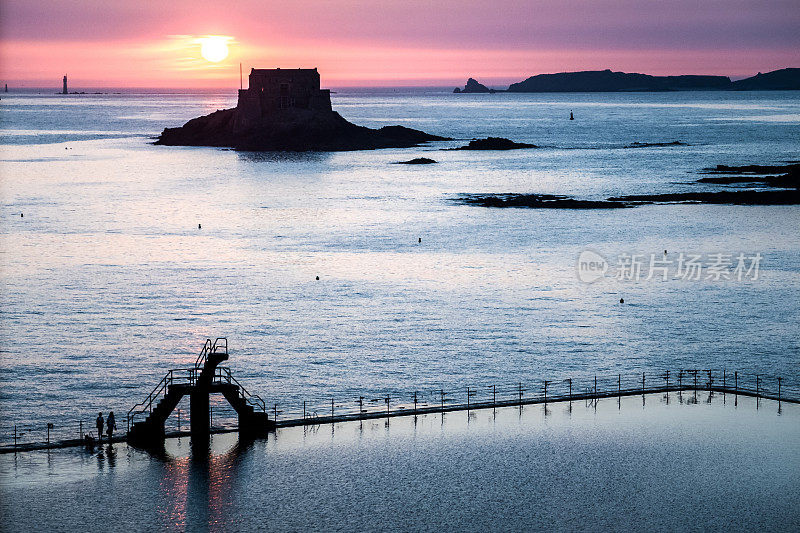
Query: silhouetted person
(622, 300)
(570, 116)
(111, 425)
(420, 240)
(99, 423)
(199, 226)
(317, 278)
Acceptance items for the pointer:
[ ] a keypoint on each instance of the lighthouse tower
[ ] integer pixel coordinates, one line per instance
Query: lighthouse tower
(64, 90)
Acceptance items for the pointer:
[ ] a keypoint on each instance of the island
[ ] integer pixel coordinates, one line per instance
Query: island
(785, 79)
(609, 81)
(285, 110)
(473, 86)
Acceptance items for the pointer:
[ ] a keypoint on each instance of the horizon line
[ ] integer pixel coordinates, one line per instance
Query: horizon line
(354, 83)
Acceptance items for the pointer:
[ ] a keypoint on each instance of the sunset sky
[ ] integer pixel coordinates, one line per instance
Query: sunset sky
(146, 43)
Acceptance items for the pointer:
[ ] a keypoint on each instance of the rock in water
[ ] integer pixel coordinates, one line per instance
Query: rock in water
(417, 161)
(494, 143)
(473, 86)
(285, 110)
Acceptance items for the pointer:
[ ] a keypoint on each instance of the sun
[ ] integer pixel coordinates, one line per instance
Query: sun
(214, 48)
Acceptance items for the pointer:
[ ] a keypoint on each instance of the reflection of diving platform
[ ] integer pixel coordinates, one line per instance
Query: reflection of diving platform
(146, 420)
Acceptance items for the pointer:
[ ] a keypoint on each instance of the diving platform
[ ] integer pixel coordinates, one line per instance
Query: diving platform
(147, 419)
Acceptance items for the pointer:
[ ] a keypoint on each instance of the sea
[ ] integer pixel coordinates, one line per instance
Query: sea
(345, 275)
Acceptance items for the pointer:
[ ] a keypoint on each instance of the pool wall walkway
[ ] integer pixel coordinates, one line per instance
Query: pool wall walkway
(330, 411)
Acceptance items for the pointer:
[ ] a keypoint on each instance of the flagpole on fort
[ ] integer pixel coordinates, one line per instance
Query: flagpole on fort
(241, 85)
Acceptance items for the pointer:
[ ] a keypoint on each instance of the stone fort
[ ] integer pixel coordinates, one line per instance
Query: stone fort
(274, 91)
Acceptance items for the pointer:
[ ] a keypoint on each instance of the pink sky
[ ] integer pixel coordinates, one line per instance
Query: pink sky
(101, 43)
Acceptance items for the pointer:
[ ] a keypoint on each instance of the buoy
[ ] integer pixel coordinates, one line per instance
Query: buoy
(317, 278)
(199, 226)
(21, 215)
(420, 240)
(622, 300)
(570, 115)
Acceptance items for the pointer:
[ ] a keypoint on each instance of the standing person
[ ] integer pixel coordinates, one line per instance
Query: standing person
(99, 423)
(111, 425)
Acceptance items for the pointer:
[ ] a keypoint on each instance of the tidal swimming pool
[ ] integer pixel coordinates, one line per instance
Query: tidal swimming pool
(658, 462)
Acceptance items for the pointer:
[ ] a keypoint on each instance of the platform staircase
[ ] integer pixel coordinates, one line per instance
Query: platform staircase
(147, 419)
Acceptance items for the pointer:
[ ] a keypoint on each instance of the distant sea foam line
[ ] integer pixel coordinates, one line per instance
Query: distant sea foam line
(787, 119)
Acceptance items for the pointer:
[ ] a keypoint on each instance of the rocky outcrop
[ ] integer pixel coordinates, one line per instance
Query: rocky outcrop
(473, 86)
(494, 143)
(417, 161)
(535, 201)
(637, 144)
(298, 130)
(785, 191)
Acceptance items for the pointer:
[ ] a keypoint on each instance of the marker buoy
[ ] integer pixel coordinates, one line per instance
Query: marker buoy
(199, 226)
(622, 300)
(317, 278)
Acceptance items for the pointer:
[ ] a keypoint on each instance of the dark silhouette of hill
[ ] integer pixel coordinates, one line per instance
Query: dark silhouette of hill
(608, 81)
(785, 79)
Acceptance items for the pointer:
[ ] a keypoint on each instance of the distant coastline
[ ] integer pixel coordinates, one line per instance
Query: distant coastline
(609, 81)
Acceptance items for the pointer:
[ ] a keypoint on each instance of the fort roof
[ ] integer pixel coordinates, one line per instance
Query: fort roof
(283, 71)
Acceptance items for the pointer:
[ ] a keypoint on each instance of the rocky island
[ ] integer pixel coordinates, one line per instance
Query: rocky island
(493, 143)
(473, 86)
(285, 110)
(607, 81)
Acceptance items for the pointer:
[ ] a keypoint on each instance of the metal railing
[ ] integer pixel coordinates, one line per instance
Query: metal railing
(481, 396)
(340, 407)
(220, 345)
(176, 375)
(203, 357)
(186, 376)
(223, 375)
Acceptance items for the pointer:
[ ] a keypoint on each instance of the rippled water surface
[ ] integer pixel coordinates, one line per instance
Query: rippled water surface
(107, 281)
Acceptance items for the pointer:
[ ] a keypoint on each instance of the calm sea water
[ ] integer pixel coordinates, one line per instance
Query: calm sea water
(642, 464)
(107, 282)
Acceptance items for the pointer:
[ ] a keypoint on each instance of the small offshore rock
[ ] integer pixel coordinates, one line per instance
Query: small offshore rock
(494, 143)
(417, 161)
